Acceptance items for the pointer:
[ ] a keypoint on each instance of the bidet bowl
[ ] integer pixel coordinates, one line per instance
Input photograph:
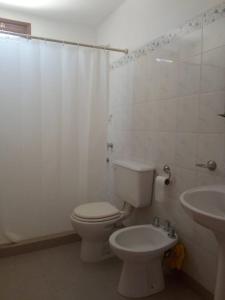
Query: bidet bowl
(141, 248)
(140, 243)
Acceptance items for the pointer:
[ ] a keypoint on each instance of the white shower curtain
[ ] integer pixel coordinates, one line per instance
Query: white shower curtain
(53, 109)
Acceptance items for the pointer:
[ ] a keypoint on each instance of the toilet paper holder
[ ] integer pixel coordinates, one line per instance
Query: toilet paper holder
(167, 170)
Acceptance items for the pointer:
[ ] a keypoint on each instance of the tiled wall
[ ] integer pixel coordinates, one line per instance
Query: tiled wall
(163, 110)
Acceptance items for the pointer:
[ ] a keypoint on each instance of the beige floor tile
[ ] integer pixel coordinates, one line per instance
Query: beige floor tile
(59, 274)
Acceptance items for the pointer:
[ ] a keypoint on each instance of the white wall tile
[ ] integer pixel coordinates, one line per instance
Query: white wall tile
(165, 151)
(187, 114)
(126, 117)
(186, 144)
(154, 106)
(208, 178)
(189, 76)
(185, 179)
(210, 105)
(151, 147)
(139, 146)
(213, 70)
(215, 57)
(142, 116)
(167, 115)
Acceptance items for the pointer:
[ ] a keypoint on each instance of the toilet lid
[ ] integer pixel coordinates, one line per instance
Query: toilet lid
(95, 210)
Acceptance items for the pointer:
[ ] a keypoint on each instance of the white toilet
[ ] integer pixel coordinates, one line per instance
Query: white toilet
(95, 221)
(141, 248)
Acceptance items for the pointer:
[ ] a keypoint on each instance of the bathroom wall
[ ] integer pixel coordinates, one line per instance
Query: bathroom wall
(53, 29)
(135, 23)
(164, 103)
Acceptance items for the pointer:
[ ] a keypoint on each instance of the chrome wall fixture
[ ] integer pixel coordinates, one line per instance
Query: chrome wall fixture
(211, 165)
(110, 146)
(167, 170)
(221, 115)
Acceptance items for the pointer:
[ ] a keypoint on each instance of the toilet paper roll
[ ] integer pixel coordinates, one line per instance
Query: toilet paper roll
(161, 182)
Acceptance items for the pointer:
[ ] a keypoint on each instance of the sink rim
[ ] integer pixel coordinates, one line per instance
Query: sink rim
(220, 188)
(214, 223)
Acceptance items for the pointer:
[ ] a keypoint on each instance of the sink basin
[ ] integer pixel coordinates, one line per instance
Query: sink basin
(206, 206)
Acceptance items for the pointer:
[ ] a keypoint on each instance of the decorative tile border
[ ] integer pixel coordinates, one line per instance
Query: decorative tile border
(214, 14)
(195, 23)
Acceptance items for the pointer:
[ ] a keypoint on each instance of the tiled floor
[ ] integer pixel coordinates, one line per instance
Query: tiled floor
(58, 274)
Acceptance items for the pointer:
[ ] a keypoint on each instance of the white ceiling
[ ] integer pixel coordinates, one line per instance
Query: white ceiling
(88, 12)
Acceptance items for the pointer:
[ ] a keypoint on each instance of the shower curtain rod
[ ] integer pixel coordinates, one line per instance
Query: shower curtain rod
(28, 36)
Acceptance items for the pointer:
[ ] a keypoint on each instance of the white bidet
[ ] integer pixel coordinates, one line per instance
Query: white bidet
(141, 248)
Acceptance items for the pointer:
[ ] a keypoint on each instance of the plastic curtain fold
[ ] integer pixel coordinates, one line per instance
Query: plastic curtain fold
(53, 122)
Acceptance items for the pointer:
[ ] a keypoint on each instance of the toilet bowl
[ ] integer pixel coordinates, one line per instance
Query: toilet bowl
(141, 248)
(94, 222)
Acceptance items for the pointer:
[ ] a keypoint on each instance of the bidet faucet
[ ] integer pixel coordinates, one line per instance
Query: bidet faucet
(172, 233)
(156, 222)
(167, 225)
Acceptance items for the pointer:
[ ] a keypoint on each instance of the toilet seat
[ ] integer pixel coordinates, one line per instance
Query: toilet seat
(95, 212)
(115, 218)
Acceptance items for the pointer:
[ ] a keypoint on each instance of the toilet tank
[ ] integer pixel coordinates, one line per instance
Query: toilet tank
(133, 182)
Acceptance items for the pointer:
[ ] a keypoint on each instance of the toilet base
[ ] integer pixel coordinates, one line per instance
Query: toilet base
(141, 279)
(95, 251)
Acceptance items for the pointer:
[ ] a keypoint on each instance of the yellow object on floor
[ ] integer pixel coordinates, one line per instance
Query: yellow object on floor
(174, 258)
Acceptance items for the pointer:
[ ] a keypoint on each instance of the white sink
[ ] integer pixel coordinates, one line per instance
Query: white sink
(206, 206)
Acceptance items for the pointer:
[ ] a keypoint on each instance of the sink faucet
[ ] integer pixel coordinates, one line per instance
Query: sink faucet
(172, 233)
(156, 222)
(167, 225)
